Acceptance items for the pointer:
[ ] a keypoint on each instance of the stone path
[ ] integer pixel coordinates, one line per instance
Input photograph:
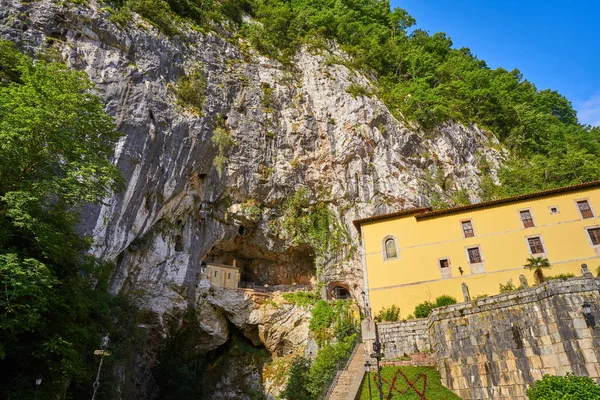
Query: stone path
(348, 383)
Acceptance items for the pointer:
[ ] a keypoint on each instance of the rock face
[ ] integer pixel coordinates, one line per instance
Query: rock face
(292, 127)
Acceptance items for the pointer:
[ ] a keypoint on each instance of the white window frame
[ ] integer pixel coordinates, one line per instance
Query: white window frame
(446, 273)
(462, 230)
(587, 235)
(544, 254)
(532, 218)
(384, 251)
(557, 210)
(589, 204)
(476, 268)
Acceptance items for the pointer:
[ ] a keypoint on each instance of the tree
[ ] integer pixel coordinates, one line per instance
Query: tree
(537, 264)
(564, 387)
(55, 143)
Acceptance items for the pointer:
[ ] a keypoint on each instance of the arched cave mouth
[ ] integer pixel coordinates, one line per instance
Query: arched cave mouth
(259, 265)
(338, 291)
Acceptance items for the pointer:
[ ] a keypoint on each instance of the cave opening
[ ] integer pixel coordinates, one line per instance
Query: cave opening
(338, 291)
(256, 264)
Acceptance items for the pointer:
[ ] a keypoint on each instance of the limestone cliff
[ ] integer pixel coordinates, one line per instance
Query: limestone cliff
(291, 126)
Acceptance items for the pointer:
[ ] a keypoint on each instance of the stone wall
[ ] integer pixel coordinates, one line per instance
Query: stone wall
(403, 338)
(495, 347)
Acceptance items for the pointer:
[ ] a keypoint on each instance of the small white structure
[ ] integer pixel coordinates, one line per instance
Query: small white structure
(222, 275)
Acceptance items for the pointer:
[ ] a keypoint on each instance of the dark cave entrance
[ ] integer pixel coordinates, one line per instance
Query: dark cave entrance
(338, 291)
(260, 264)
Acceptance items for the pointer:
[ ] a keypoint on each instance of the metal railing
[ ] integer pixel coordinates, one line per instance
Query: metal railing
(274, 288)
(342, 365)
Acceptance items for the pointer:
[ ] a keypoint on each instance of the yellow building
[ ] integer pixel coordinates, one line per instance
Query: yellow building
(416, 255)
(222, 275)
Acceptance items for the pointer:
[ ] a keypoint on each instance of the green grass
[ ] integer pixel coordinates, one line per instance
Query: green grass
(434, 389)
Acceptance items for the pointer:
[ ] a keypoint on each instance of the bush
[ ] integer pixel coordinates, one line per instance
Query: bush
(564, 387)
(424, 309)
(389, 314)
(301, 298)
(559, 276)
(191, 91)
(508, 287)
(298, 381)
(322, 317)
(325, 363)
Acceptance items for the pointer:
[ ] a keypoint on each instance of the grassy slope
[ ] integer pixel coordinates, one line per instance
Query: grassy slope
(434, 388)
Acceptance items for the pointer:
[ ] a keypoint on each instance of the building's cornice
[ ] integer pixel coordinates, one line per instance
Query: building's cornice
(427, 212)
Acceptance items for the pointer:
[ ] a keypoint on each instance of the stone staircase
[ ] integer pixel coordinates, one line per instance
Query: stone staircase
(347, 383)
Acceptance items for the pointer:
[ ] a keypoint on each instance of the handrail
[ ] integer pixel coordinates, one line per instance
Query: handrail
(337, 372)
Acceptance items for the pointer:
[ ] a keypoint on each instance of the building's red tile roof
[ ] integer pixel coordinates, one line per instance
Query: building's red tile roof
(428, 212)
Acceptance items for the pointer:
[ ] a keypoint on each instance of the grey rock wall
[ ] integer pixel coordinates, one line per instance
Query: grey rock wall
(177, 210)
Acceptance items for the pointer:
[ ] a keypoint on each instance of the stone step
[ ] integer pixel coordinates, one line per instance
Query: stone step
(348, 382)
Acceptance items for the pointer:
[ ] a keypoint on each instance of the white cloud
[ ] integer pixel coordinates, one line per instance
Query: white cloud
(588, 111)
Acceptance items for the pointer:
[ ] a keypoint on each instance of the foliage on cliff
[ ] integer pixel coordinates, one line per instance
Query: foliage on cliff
(55, 140)
(421, 78)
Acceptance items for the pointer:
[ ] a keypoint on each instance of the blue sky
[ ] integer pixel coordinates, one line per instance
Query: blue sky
(555, 44)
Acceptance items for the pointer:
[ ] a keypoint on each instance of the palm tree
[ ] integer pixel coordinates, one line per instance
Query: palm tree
(537, 264)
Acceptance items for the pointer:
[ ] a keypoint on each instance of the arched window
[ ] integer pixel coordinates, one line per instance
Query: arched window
(390, 248)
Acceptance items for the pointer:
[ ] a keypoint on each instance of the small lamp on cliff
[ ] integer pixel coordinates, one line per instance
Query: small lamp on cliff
(38, 382)
(103, 352)
(368, 371)
(590, 320)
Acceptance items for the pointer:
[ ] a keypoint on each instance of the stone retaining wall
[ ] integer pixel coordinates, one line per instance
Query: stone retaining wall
(494, 348)
(403, 338)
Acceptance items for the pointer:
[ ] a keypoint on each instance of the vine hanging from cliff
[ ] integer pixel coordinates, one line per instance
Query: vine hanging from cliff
(314, 225)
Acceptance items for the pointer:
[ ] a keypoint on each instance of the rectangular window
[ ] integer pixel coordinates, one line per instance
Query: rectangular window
(474, 255)
(594, 235)
(535, 245)
(444, 263)
(584, 209)
(216, 273)
(467, 227)
(527, 219)
(229, 275)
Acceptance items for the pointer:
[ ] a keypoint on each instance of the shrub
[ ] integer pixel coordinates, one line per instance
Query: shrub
(357, 90)
(560, 276)
(298, 381)
(389, 314)
(507, 287)
(301, 298)
(325, 363)
(444, 300)
(564, 387)
(424, 309)
(322, 317)
(191, 91)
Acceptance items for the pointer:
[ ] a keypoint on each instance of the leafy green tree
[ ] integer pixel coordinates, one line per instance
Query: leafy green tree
(298, 381)
(564, 387)
(55, 142)
(537, 265)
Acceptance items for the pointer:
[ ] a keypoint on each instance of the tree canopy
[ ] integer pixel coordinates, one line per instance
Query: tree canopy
(55, 142)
